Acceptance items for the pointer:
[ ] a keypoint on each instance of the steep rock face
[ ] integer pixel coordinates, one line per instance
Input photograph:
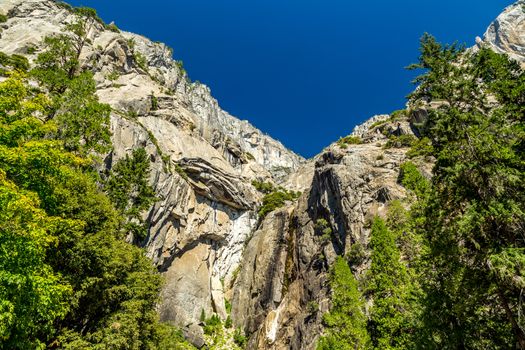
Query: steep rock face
(507, 33)
(262, 272)
(204, 226)
(345, 187)
(203, 160)
(282, 290)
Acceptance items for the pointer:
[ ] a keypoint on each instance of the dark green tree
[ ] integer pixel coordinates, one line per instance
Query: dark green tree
(83, 122)
(393, 314)
(129, 190)
(474, 217)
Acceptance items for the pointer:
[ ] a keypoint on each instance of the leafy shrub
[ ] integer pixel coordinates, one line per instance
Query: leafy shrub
(357, 255)
(82, 120)
(411, 178)
(15, 61)
(397, 115)
(400, 141)
(114, 75)
(154, 102)
(228, 323)
(343, 142)
(3, 18)
(64, 5)
(397, 216)
(141, 61)
(323, 227)
(239, 338)
(180, 170)
(422, 147)
(228, 306)
(263, 187)
(112, 27)
(169, 338)
(378, 123)
(180, 66)
(131, 44)
(213, 326)
(88, 13)
(76, 282)
(276, 199)
(129, 190)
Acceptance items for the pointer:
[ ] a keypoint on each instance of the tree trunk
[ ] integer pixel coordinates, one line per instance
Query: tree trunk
(518, 332)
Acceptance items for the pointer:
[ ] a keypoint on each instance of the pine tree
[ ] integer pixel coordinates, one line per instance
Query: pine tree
(474, 216)
(345, 323)
(390, 287)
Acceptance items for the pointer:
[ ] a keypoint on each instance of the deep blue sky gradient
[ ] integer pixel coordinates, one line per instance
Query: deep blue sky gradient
(304, 71)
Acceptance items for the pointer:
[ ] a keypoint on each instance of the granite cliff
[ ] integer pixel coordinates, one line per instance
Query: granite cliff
(205, 235)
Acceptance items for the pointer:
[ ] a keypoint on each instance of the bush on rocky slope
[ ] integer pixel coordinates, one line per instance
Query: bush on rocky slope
(276, 199)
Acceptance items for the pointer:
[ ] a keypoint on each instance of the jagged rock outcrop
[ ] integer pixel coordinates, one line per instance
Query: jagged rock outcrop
(288, 254)
(507, 33)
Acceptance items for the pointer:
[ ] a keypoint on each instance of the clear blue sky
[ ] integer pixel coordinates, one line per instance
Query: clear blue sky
(304, 71)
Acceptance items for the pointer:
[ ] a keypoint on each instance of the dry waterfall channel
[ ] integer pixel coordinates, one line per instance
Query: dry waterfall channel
(205, 234)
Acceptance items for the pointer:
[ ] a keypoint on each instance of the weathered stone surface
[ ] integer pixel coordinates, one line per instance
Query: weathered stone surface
(285, 265)
(507, 33)
(259, 286)
(204, 234)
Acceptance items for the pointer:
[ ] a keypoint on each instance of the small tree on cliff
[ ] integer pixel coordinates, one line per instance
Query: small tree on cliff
(345, 323)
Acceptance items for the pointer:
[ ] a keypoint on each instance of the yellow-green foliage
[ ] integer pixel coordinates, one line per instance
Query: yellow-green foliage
(276, 199)
(400, 141)
(154, 102)
(324, 230)
(263, 187)
(221, 336)
(32, 295)
(391, 324)
(378, 123)
(411, 178)
(67, 276)
(141, 61)
(421, 148)
(343, 142)
(398, 115)
(345, 324)
(180, 170)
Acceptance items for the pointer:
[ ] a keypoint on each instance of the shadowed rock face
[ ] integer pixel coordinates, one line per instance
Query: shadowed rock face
(285, 264)
(204, 233)
(347, 187)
